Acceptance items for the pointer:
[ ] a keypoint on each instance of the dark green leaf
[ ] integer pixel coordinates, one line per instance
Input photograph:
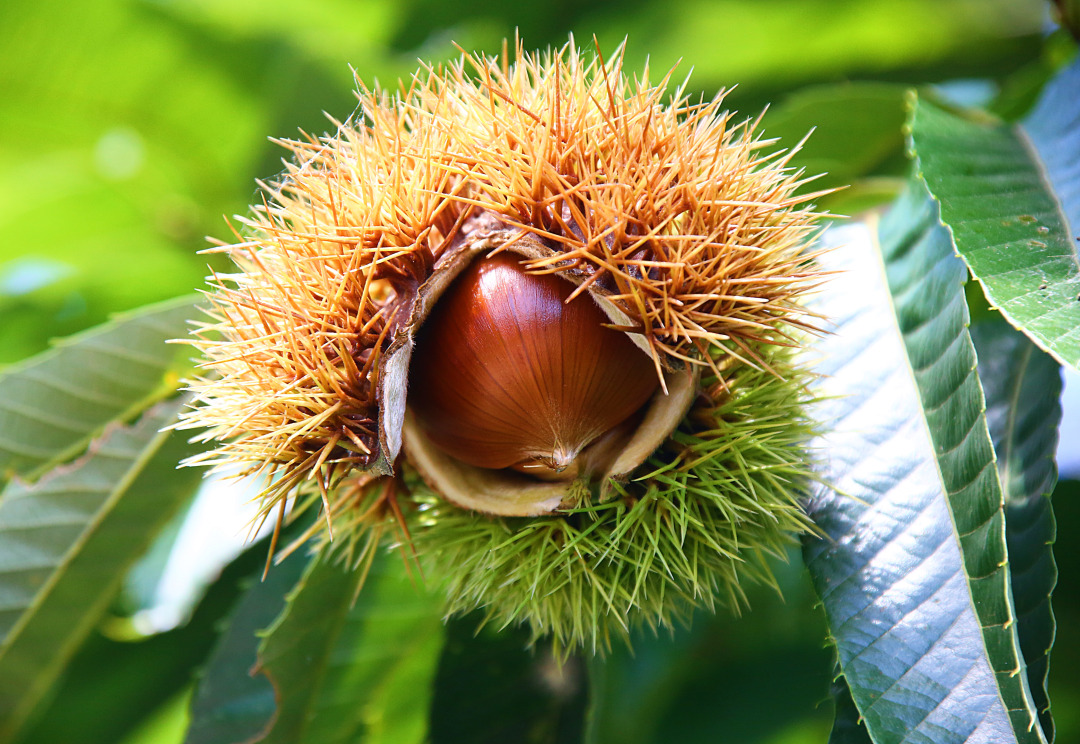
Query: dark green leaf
(341, 671)
(1008, 194)
(926, 283)
(53, 404)
(758, 678)
(231, 702)
(1023, 408)
(66, 543)
(631, 692)
(912, 568)
(1064, 679)
(491, 689)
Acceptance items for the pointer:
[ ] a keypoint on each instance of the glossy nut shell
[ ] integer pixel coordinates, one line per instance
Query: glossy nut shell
(507, 373)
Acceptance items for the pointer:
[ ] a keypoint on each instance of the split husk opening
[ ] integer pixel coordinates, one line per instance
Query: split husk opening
(504, 492)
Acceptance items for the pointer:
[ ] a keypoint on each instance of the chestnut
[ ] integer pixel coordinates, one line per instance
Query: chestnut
(510, 372)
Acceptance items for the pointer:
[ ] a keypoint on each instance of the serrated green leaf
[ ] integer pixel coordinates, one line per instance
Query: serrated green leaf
(926, 283)
(1008, 194)
(53, 404)
(343, 672)
(66, 542)
(912, 571)
(231, 704)
(1023, 408)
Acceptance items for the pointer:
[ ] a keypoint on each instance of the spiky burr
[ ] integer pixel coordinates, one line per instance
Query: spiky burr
(675, 219)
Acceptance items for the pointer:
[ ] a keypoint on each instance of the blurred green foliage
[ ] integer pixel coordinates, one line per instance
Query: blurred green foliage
(129, 127)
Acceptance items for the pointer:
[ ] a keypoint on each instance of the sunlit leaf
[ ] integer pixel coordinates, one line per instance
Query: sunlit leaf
(66, 542)
(1010, 197)
(788, 42)
(111, 685)
(912, 568)
(123, 141)
(53, 404)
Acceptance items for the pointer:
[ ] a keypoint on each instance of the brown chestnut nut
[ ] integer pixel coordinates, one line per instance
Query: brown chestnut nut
(509, 374)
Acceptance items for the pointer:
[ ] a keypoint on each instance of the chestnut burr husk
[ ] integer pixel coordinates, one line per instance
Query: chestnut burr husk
(685, 228)
(509, 372)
